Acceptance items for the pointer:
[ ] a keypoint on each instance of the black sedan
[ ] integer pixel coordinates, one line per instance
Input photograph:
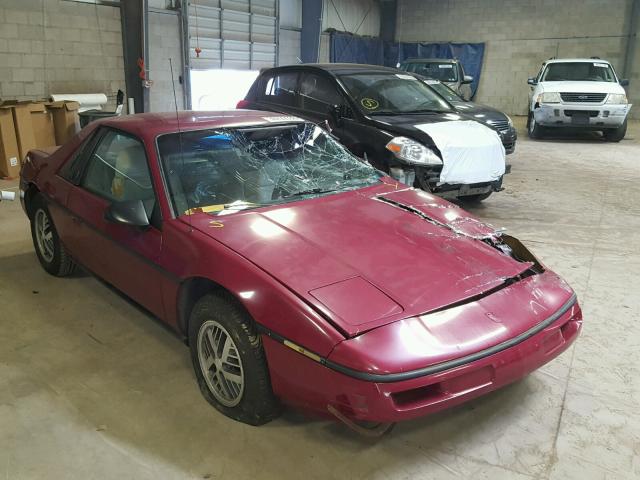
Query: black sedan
(481, 113)
(392, 119)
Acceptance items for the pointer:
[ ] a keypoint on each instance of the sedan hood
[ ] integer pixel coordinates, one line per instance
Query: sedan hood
(369, 257)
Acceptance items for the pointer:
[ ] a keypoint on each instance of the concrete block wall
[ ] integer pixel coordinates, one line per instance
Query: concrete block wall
(519, 35)
(164, 44)
(58, 46)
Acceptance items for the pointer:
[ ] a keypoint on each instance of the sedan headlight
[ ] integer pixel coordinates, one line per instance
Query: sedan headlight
(549, 97)
(617, 98)
(412, 152)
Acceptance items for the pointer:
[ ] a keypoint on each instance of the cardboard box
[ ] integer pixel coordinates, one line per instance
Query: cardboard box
(34, 126)
(9, 153)
(66, 122)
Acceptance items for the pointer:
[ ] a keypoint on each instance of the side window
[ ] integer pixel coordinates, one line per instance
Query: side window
(118, 171)
(281, 89)
(72, 169)
(318, 93)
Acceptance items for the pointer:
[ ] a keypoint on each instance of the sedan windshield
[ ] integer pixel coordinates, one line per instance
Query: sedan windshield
(392, 93)
(230, 169)
(578, 71)
(443, 71)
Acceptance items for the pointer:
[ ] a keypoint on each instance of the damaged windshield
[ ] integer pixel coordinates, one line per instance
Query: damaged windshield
(231, 169)
(392, 93)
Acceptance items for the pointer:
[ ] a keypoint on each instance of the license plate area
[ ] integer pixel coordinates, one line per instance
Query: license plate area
(580, 118)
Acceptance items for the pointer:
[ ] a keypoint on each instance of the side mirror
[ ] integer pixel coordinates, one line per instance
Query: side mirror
(131, 212)
(467, 79)
(624, 82)
(532, 81)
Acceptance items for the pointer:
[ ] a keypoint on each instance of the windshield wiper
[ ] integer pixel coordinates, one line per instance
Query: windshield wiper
(310, 191)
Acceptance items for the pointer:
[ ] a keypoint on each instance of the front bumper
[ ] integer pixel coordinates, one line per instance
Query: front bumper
(588, 116)
(305, 382)
(509, 138)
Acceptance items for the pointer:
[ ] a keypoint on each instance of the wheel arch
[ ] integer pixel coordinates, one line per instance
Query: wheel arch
(190, 291)
(29, 194)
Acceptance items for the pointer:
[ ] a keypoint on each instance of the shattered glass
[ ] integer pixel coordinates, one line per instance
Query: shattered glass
(230, 169)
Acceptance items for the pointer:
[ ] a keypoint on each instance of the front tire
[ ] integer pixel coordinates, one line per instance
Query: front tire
(229, 361)
(535, 131)
(52, 255)
(616, 134)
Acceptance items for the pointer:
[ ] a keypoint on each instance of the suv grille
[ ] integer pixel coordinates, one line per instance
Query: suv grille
(500, 125)
(583, 97)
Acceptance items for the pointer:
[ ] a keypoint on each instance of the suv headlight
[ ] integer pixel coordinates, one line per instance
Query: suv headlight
(509, 121)
(617, 98)
(549, 97)
(412, 152)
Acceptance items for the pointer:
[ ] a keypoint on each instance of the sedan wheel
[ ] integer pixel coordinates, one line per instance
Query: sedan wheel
(44, 235)
(229, 361)
(51, 253)
(220, 363)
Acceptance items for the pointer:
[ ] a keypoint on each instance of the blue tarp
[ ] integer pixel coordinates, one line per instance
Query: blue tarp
(375, 51)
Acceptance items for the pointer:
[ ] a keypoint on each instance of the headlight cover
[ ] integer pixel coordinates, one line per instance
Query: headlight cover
(617, 98)
(509, 120)
(549, 97)
(413, 152)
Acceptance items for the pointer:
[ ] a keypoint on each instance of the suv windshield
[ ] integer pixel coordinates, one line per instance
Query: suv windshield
(578, 71)
(444, 91)
(230, 169)
(392, 93)
(443, 71)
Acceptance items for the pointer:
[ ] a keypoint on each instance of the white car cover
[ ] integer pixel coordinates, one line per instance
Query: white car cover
(471, 152)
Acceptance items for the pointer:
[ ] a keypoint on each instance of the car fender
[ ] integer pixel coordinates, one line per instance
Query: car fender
(273, 306)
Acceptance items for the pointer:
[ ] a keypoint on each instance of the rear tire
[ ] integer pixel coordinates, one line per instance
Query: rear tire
(616, 134)
(52, 255)
(229, 361)
(535, 131)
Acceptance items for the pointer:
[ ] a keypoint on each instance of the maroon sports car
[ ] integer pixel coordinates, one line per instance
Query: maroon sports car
(296, 272)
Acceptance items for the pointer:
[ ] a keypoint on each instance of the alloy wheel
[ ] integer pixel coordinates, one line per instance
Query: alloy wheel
(220, 363)
(44, 235)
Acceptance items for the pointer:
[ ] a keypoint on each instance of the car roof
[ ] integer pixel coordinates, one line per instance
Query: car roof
(336, 68)
(586, 60)
(428, 60)
(154, 124)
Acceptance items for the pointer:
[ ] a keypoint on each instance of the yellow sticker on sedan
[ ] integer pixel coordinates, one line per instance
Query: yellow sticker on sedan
(369, 103)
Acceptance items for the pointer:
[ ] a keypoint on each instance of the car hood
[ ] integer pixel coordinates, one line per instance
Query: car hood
(582, 87)
(369, 257)
(406, 124)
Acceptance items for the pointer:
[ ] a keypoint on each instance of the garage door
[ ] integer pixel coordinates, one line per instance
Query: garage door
(232, 34)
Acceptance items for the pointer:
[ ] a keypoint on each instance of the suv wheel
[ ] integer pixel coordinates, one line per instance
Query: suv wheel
(616, 134)
(534, 130)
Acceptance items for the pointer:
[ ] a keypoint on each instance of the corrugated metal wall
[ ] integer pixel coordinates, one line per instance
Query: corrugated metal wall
(232, 34)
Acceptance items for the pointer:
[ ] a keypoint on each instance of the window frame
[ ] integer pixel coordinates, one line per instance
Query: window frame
(337, 88)
(100, 134)
(263, 97)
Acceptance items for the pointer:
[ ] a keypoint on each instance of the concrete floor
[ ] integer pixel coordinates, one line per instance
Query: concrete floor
(90, 387)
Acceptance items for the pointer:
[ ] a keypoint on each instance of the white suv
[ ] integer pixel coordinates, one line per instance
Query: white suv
(580, 93)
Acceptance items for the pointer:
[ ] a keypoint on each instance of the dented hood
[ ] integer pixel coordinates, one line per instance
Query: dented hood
(369, 257)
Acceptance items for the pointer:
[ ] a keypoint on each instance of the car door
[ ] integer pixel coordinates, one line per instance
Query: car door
(117, 170)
